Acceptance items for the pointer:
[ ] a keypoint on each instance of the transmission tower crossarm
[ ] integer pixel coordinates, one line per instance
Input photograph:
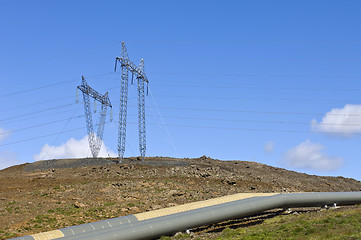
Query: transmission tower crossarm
(133, 68)
(85, 88)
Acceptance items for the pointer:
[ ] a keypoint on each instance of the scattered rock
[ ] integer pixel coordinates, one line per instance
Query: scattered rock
(126, 166)
(155, 207)
(117, 184)
(177, 234)
(79, 205)
(171, 204)
(134, 209)
(145, 184)
(231, 182)
(175, 193)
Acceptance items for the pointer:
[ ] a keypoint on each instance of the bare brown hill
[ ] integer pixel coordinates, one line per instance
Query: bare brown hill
(53, 194)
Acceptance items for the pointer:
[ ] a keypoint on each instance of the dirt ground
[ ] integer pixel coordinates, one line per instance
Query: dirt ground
(53, 194)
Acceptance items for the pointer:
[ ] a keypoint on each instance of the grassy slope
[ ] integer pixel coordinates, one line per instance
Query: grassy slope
(329, 224)
(344, 223)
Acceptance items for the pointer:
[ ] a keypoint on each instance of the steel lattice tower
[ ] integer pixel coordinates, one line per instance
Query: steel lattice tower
(126, 66)
(141, 112)
(95, 140)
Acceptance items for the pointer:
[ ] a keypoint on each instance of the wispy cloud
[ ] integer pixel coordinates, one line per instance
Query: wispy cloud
(8, 158)
(309, 155)
(344, 121)
(4, 134)
(73, 148)
(269, 147)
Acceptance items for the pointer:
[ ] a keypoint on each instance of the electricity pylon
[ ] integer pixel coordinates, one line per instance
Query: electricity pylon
(126, 66)
(95, 140)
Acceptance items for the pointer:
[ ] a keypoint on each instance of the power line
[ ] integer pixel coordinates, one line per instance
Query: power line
(37, 112)
(58, 56)
(246, 42)
(39, 125)
(48, 101)
(255, 75)
(49, 85)
(34, 89)
(187, 126)
(253, 111)
(196, 86)
(165, 127)
(37, 117)
(252, 121)
(256, 87)
(184, 96)
(250, 129)
(253, 129)
(248, 87)
(260, 99)
(35, 104)
(166, 96)
(180, 117)
(62, 130)
(43, 136)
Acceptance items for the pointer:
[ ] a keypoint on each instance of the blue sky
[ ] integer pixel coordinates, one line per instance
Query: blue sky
(276, 82)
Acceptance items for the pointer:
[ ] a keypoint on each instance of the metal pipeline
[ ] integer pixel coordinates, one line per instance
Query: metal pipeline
(150, 225)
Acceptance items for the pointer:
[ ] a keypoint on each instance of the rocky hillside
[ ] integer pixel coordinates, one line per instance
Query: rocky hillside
(53, 194)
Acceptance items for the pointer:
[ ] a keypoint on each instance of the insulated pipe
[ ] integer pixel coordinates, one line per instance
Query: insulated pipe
(156, 227)
(168, 224)
(113, 222)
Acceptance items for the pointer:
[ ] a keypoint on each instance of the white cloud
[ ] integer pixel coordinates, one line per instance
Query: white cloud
(73, 148)
(269, 147)
(8, 158)
(4, 134)
(344, 121)
(309, 155)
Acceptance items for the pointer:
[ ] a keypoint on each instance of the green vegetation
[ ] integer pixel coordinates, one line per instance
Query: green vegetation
(331, 224)
(159, 189)
(130, 204)
(70, 210)
(7, 235)
(182, 236)
(178, 236)
(165, 238)
(44, 219)
(108, 204)
(12, 207)
(56, 218)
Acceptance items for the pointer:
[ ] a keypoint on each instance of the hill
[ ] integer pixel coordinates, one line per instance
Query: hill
(52, 194)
